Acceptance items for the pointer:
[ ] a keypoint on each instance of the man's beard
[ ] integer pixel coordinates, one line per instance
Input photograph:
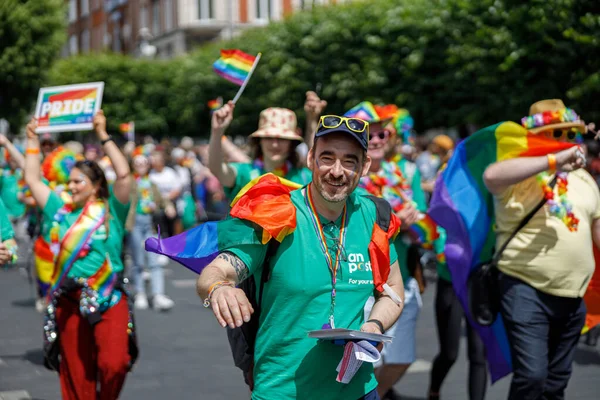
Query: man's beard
(345, 189)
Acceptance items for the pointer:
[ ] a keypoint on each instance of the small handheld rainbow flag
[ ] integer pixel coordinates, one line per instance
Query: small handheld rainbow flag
(234, 65)
(215, 104)
(237, 67)
(426, 231)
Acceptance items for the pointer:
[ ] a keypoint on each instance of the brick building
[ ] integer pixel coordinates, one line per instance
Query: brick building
(173, 27)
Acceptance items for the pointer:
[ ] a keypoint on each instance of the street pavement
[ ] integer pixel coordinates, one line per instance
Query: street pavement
(185, 354)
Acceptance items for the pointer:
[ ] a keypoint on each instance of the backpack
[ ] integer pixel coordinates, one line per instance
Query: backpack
(243, 339)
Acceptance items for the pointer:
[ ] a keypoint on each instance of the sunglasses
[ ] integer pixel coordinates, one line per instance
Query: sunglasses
(354, 124)
(566, 133)
(381, 135)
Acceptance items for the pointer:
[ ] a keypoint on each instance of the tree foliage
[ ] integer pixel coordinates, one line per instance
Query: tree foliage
(31, 35)
(449, 62)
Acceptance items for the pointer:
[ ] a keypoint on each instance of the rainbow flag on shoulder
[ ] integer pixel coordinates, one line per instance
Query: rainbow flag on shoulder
(262, 211)
(463, 206)
(234, 65)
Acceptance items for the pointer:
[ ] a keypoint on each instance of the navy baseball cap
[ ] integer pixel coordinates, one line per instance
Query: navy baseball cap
(354, 127)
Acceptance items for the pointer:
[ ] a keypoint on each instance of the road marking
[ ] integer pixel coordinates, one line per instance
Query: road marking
(15, 395)
(184, 283)
(2, 363)
(419, 366)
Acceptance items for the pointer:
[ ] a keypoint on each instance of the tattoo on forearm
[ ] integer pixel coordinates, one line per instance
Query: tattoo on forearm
(240, 267)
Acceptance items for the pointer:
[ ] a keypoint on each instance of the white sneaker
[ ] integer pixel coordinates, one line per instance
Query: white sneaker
(141, 302)
(146, 275)
(161, 302)
(40, 305)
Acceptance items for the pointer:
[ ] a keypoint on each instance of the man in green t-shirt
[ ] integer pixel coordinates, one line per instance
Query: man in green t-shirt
(332, 223)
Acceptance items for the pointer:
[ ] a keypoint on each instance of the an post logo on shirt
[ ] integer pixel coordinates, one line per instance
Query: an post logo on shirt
(356, 262)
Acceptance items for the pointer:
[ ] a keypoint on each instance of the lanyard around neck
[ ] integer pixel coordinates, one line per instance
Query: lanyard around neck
(331, 263)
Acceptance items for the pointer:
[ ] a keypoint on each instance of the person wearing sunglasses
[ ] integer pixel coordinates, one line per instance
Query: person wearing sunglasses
(273, 149)
(321, 274)
(387, 180)
(546, 268)
(89, 338)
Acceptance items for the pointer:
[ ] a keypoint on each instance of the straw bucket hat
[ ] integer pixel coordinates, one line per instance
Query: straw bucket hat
(277, 123)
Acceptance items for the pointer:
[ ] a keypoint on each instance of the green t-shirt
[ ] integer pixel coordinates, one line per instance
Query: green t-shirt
(6, 229)
(101, 244)
(438, 246)
(9, 191)
(297, 298)
(410, 171)
(246, 172)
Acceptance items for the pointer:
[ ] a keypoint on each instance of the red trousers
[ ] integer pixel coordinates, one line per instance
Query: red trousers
(92, 354)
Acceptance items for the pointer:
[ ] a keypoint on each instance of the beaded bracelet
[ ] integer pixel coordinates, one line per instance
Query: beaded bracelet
(212, 289)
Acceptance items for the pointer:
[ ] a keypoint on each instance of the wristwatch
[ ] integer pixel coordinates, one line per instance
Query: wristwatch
(378, 323)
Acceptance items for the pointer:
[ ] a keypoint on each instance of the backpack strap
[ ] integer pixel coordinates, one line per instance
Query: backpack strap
(272, 247)
(384, 212)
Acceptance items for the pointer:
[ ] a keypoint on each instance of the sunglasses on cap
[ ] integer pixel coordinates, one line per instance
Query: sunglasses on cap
(333, 121)
(565, 133)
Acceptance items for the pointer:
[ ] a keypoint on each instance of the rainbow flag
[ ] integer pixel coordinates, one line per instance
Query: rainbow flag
(592, 297)
(44, 265)
(425, 230)
(234, 65)
(463, 206)
(215, 104)
(262, 210)
(365, 111)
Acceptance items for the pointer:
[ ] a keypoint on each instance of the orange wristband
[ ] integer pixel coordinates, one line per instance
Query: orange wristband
(32, 150)
(552, 162)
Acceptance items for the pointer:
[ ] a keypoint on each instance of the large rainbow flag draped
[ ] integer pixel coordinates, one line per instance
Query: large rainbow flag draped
(592, 297)
(262, 210)
(234, 65)
(463, 206)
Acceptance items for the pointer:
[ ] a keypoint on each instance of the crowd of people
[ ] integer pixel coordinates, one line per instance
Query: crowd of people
(349, 195)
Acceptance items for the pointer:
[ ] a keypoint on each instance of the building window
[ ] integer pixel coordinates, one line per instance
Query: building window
(168, 15)
(116, 38)
(72, 45)
(85, 41)
(84, 7)
(72, 10)
(144, 17)
(156, 18)
(263, 9)
(205, 9)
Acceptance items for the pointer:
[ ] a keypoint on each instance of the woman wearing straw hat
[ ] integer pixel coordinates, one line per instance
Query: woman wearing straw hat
(273, 149)
(88, 331)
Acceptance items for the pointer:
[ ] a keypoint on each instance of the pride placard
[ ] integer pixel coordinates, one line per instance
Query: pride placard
(68, 108)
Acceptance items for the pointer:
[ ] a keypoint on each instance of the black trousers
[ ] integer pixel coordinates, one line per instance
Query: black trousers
(449, 317)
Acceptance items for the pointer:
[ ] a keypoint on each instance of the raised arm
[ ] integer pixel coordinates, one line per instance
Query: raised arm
(313, 108)
(500, 175)
(385, 310)
(229, 304)
(122, 186)
(32, 172)
(234, 153)
(222, 170)
(14, 153)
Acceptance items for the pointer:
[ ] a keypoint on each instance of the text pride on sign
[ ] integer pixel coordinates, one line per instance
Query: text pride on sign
(68, 108)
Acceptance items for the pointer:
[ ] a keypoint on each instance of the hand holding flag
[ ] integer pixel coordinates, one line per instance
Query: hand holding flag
(222, 117)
